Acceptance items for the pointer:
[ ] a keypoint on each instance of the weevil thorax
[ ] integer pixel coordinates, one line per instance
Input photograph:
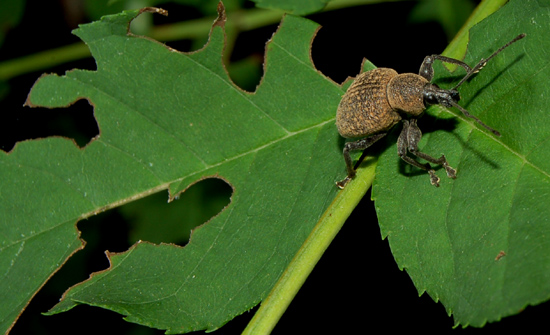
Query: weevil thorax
(406, 93)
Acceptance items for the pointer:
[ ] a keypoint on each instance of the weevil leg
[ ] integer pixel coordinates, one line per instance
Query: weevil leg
(427, 71)
(403, 146)
(354, 146)
(414, 138)
(408, 141)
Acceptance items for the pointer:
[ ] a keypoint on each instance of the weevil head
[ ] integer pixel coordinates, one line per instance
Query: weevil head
(434, 95)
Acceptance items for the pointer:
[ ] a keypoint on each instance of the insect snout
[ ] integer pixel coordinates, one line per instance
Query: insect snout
(433, 95)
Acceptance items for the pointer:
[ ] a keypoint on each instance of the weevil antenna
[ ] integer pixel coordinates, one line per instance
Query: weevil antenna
(483, 62)
(466, 113)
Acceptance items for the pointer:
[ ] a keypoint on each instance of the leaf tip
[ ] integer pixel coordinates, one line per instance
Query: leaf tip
(154, 10)
(220, 20)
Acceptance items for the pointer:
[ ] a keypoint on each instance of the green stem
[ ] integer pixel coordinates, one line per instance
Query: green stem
(242, 20)
(42, 60)
(239, 20)
(273, 307)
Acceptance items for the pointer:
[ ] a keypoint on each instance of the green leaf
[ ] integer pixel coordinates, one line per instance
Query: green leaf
(168, 120)
(479, 243)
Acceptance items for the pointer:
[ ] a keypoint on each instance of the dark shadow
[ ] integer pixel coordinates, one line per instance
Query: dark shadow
(489, 83)
(338, 49)
(482, 156)
(428, 124)
(448, 81)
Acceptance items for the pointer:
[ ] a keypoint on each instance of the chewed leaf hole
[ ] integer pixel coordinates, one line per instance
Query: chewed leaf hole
(76, 122)
(155, 220)
(150, 219)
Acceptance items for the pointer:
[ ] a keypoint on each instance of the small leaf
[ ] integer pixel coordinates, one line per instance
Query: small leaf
(478, 243)
(293, 7)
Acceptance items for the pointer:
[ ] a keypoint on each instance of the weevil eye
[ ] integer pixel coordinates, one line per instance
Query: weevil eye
(430, 98)
(433, 95)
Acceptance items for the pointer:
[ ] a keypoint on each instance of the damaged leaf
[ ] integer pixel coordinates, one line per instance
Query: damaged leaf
(479, 243)
(167, 120)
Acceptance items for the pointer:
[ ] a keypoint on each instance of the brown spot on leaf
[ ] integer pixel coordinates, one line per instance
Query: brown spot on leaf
(500, 255)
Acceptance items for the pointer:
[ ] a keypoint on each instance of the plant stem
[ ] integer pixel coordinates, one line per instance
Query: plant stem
(273, 307)
(239, 20)
(42, 60)
(199, 28)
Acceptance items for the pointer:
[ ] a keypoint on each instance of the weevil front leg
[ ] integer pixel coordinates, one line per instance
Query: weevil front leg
(354, 146)
(408, 141)
(427, 71)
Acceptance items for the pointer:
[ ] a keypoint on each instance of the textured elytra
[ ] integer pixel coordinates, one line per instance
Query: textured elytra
(364, 109)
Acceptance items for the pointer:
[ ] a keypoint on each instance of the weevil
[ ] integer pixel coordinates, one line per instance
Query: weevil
(379, 99)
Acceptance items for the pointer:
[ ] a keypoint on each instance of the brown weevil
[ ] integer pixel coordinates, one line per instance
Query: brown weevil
(378, 99)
